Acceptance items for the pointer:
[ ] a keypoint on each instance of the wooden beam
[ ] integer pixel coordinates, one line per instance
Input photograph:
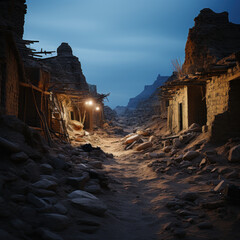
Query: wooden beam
(28, 85)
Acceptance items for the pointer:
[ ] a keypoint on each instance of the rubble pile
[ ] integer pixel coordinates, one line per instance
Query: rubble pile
(48, 193)
(209, 176)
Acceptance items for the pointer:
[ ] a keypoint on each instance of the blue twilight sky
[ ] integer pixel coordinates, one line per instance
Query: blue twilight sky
(121, 44)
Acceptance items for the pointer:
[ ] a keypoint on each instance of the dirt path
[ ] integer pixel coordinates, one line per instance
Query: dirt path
(131, 199)
(138, 198)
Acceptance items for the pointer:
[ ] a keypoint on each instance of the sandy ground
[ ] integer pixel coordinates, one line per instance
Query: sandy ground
(138, 197)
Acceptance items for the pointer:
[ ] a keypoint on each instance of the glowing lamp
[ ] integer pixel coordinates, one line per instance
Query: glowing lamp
(97, 108)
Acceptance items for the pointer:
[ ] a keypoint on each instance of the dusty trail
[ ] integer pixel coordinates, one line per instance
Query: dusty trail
(131, 199)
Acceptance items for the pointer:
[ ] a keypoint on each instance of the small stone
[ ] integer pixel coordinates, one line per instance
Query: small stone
(81, 194)
(19, 157)
(167, 149)
(45, 184)
(213, 205)
(234, 154)
(60, 208)
(93, 188)
(220, 186)
(36, 201)
(96, 164)
(205, 225)
(46, 168)
(76, 182)
(190, 155)
(58, 163)
(132, 139)
(176, 143)
(203, 162)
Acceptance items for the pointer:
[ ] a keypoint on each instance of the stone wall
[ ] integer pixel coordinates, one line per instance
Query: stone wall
(181, 96)
(216, 98)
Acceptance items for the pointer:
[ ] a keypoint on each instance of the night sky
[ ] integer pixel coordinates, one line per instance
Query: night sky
(121, 44)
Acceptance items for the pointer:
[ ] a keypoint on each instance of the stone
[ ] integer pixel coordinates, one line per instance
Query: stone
(48, 235)
(203, 162)
(22, 226)
(176, 143)
(45, 184)
(189, 196)
(144, 146)
(220, 186)
(55, 222)
(167, 149)
(9, 146)
(42, 192)
(96, 164)
(81, 194)
(132, 139)
(36, 201)
(94, 206)
(19, 157)
(234, 154)
(204, 128)
(93, 188)
(205, 225)
(76, 182)
(32, 171)
(60, 208)
(58, 163)
(46, 168)
(190, 155)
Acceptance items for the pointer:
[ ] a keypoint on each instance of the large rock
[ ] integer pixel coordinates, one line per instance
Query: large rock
(132, 139)
(144, 145)
(19, 157)
(81, 194)
(234, 154)
(94, 206)
(45, 184)
(212, 38)
(190, 155)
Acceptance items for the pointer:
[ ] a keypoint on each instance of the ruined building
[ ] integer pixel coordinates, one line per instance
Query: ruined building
(206, 90)
(47, 94)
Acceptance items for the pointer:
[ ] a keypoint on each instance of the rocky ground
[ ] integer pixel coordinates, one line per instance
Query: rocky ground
(173, 187)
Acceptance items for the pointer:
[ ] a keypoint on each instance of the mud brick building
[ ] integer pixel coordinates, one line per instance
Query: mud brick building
(207, 90)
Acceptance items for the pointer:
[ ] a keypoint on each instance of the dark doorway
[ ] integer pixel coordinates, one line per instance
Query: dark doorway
(180, 117)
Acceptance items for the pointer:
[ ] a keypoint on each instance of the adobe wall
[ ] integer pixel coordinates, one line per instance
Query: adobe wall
(216, 99)
(181, 96)
(12, 83)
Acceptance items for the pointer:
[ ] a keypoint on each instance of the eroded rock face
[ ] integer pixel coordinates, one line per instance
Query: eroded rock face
(66, 69)
(212, 38)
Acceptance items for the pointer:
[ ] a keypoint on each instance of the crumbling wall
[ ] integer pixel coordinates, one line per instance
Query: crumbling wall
(181, 97)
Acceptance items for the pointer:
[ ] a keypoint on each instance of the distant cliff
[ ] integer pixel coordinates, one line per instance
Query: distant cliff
(212, 38)
(146, 93)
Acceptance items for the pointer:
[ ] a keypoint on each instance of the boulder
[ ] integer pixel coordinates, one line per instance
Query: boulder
(144, 145)
(46, 168)
(132, 139)
(45, 184)
(36, 201)
(93, 206)
(234, 154)
(81, 194)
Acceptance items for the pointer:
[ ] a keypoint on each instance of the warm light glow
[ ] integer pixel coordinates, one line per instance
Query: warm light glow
(97, 108)
(89, 102)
